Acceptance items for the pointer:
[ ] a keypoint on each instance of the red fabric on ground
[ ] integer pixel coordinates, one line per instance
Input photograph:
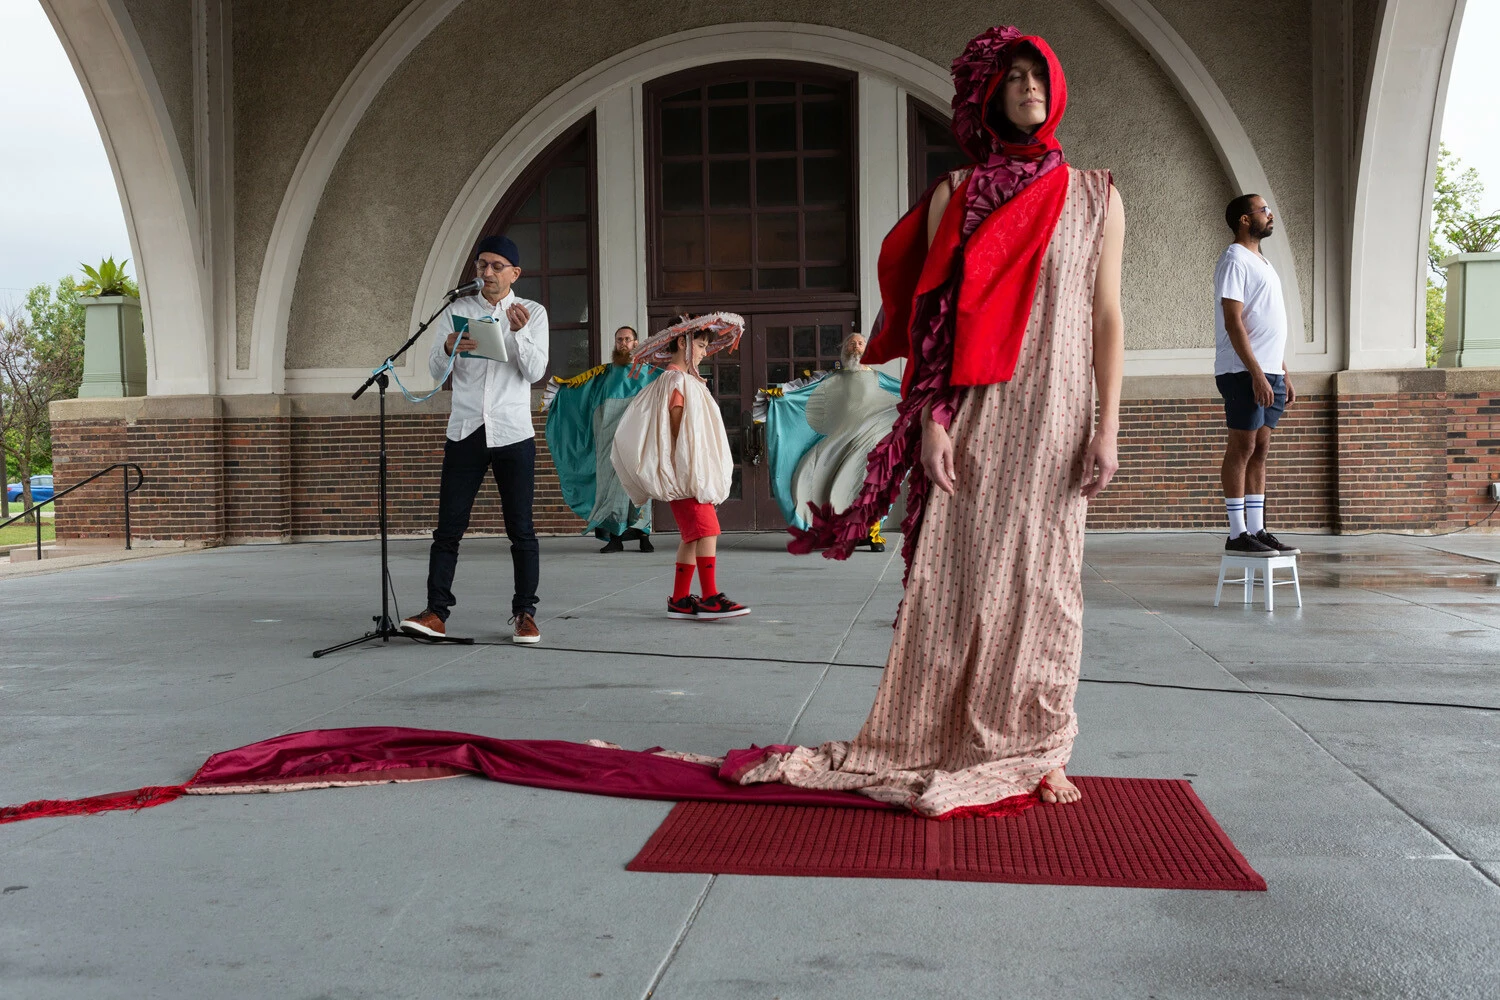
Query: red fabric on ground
(140, 798)
(576, 767)
(1126, 832)
(695, 519)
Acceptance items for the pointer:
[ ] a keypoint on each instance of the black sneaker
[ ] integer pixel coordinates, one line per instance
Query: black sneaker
(646, 545)
(1266, 538)
(1248, 545)
(685, 609)
(720, 606)
(613, 545)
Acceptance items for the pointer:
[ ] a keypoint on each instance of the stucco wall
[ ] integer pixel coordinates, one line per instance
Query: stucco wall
(290, 58)
(1260, 56)
(165, 28)
(427, 131)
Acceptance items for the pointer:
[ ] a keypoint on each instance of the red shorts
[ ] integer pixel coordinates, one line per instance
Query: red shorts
(695, 519)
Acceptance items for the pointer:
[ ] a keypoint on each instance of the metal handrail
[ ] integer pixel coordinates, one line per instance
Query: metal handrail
(124, 467)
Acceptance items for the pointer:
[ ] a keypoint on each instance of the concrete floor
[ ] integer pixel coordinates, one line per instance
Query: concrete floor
(1375, 823)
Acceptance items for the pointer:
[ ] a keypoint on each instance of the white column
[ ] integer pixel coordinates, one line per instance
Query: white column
(1393, 198)
(882, 180)
(618, 137)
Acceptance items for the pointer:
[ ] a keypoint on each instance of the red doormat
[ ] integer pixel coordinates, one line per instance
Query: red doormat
(1128, 832)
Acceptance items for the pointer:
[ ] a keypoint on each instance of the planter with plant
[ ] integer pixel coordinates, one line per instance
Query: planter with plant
(1471, 324)
(114, 347)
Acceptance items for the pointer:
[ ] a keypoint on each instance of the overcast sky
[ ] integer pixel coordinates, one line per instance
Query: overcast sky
(59, 205)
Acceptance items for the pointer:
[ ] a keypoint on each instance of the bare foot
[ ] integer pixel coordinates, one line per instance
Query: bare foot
(1056, 787)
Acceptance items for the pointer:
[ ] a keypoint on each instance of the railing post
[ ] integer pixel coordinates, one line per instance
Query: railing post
(38, 511)
(125, 480)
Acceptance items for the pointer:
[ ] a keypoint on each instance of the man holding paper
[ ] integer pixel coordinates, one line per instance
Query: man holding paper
(489, 429)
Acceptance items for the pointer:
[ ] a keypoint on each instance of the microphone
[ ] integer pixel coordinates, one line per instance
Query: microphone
(466, 289)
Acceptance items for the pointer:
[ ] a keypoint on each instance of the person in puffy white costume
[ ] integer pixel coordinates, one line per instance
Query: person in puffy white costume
(671, 446)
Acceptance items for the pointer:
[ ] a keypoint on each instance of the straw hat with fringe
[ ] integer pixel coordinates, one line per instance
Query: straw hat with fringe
(724, 330)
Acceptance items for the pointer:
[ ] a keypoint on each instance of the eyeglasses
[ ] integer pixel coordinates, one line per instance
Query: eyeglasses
(483, 265)
(1263, 210)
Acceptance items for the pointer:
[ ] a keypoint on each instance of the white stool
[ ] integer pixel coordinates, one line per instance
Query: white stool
(1268, 565)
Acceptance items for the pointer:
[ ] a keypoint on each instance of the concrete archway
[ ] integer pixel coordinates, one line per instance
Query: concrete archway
(1397, 160)
(160, 215)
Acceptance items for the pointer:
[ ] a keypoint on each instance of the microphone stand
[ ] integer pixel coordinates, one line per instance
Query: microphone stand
(385, 629)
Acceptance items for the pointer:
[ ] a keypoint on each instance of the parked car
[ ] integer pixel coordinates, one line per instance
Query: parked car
(41, 489)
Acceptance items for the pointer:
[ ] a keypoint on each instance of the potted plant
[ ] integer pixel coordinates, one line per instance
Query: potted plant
(1471, 324)
(114, 337)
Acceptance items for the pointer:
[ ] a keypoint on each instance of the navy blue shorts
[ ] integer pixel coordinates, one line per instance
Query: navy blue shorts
(1241, 411)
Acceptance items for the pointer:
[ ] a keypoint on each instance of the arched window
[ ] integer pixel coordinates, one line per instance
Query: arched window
(931, 148)
(551, 215)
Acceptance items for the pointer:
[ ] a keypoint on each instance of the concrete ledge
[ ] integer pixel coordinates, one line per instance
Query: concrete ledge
(339, 404)
(1145, 387)
(133, 408)
(262, 405)
(1413, 380)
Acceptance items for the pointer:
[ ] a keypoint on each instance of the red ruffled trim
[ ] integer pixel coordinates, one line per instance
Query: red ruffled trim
(1005, 807)
(140, 798)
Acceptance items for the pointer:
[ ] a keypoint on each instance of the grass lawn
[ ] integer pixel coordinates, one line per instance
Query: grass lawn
(21, 532)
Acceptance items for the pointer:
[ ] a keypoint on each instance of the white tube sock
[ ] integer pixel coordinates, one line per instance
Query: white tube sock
(1235, 508)
(1255, 513)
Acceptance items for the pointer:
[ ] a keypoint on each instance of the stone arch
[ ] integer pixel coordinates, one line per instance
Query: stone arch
(151, 175)
(1410, 62)
(611, 80)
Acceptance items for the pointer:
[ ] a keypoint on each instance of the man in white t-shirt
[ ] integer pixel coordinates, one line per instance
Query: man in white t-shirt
(1250, 338)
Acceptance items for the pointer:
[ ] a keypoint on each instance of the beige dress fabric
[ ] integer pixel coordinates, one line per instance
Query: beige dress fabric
(698, 466)
(976, 703)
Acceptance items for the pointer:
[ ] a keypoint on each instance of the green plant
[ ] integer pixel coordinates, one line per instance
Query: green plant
(1475, 233)
(108, 279)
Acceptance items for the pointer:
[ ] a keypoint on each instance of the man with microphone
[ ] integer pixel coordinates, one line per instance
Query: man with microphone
(489, 429)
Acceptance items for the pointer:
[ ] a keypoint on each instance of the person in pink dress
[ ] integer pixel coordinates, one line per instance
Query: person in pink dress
(1002, 289)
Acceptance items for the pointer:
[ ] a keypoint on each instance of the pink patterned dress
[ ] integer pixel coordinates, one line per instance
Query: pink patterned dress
(976, 703)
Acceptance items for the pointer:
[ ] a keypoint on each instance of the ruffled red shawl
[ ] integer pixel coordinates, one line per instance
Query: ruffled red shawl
(1007, 210)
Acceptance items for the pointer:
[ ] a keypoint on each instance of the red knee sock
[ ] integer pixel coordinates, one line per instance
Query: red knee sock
(706, 575)
(682, 583)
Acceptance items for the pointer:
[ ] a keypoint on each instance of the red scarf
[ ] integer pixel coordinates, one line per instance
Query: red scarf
(998, 223)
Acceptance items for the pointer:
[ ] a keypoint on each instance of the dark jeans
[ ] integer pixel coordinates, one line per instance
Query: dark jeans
(464, 466)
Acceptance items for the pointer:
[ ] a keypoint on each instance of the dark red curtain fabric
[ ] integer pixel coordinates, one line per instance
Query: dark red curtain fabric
(376, 751)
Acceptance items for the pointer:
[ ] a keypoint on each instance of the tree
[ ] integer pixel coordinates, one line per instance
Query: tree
(41, 359)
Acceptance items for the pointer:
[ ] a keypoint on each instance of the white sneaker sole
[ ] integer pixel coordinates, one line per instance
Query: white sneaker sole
(526, 640)
(683, 616)
(412, 628)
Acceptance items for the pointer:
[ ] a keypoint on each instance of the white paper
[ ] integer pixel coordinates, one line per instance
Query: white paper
(487, 332)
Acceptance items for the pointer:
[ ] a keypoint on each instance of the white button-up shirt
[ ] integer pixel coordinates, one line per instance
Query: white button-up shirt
(495, 395)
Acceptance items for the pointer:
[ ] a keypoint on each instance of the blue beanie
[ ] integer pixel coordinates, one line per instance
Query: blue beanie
(502, 245)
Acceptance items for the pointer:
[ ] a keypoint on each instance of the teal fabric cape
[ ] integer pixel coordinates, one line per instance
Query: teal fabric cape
(581, 421)
(788, 436)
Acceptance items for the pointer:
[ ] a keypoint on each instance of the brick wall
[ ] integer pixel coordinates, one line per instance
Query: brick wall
(257, 477)
(266, 470)
(1410, 451)
(1171, 451)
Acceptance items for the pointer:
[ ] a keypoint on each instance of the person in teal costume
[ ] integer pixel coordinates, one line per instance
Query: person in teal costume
(582, 414)
(819, 431)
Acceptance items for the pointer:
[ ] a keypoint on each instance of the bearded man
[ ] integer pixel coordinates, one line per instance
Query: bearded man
(820, 432)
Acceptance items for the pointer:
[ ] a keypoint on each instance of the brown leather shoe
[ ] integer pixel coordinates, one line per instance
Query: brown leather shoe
(427, 623)
(526, 630)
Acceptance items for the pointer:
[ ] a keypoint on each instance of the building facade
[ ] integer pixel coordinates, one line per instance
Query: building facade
(303, 180)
